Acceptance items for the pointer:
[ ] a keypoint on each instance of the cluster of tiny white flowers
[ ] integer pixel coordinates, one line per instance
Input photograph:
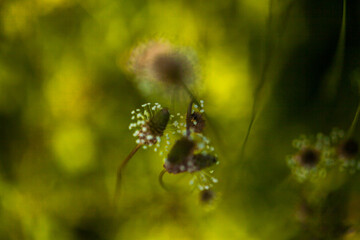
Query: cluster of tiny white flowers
(203, 143)
(203, 179)
(156, 64)
(178, 129)
(140, 118)
(201, 108)
(328, 156)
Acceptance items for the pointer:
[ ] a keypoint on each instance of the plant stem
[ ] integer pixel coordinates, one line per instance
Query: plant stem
(336, 69)
(354, 122)
(161, 181)
(122, 166)
(188, 91)
(188, 118)
(215, 131)
(259, 89)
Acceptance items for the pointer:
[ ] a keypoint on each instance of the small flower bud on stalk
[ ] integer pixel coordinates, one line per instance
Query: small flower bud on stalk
(189, 153)
(194, 119)
(202, 161)
(180, 154)
(197, 122)
(151, 126)
(182, 158)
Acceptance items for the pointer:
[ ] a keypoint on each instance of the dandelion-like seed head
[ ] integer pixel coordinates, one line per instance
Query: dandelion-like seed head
(171, 68)
(162, 62)
(149, 124)
(143, 55)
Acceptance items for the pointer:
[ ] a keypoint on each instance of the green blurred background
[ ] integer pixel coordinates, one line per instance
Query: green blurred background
(66, 97)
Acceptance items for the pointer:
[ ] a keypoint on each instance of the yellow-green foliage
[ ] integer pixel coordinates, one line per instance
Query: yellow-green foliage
(67, 92)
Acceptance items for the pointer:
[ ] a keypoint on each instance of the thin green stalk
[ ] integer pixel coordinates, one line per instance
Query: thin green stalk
(188, 118)
(215, 131)
(161, 180)
(188, 91)
(121, 167)
(354, 122)
(334, 75)
(260, 87)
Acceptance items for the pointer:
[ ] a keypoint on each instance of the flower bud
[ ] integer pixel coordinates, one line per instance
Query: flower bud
(159, 122)
(179, 155)
(182, 149)
(202, 161)
(197, 122)
(149, 124)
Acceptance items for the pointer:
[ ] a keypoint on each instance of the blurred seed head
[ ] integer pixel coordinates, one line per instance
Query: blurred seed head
(348, 149)
(143, 55)
(308, 157)
(162, 62)
(171, 68)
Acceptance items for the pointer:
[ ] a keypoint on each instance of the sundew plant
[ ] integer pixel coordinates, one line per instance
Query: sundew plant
(181, 120)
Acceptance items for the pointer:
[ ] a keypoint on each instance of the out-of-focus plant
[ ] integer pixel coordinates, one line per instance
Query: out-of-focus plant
(162, 63)
(326, 166)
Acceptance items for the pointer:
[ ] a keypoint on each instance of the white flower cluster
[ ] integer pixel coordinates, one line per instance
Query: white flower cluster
(142, 130)
(318, 154)
(203, 151)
